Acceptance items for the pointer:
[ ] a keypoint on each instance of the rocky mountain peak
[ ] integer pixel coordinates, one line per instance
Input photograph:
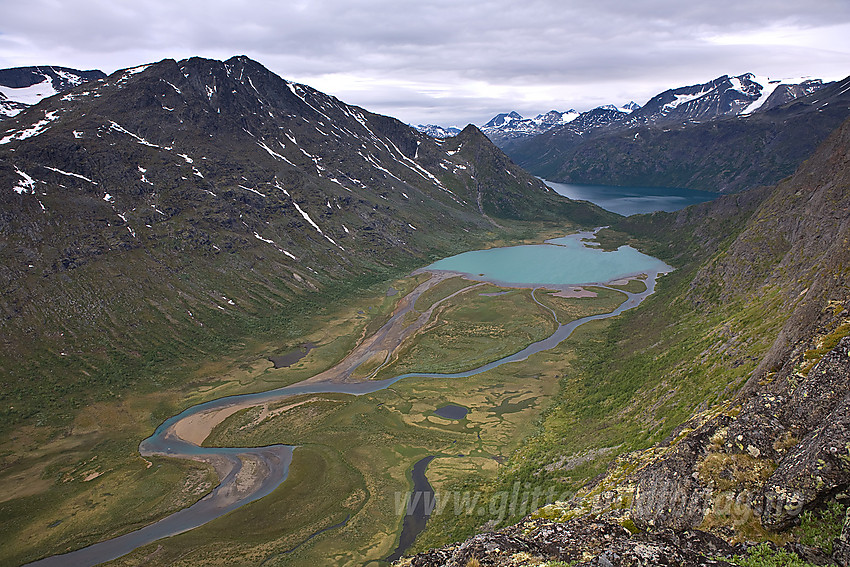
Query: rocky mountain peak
(503, 118)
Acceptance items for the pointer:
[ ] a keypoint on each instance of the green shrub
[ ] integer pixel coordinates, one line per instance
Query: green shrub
(819, 529)
(765, 556)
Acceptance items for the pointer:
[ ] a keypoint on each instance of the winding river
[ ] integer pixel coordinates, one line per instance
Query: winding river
(249, 473)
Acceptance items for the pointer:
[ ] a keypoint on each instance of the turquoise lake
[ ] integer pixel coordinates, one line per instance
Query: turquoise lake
(560, 262)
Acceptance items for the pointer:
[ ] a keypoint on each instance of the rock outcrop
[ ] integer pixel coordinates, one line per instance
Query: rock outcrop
(582, 542)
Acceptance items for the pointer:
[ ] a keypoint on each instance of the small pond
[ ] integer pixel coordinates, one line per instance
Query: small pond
(452, 411)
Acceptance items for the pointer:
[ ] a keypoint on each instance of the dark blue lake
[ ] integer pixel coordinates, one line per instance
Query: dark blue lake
(452, 411)
(633, 200)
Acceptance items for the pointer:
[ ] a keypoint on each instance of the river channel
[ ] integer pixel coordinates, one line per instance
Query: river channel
(270, 464)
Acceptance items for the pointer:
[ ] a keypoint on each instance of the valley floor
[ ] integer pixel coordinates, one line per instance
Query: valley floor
(350, 471)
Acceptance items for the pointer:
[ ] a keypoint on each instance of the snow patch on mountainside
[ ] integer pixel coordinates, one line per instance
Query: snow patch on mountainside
(681, 99)
(768, 87)
(25, 185)
(22, 87)
(33, 130)
(69, 174)
(29, 95)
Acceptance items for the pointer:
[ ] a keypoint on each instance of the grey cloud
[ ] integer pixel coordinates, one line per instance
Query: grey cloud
(573, 52)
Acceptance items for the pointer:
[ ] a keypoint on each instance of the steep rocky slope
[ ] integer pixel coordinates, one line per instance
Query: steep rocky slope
(173, 206)
(763, 459)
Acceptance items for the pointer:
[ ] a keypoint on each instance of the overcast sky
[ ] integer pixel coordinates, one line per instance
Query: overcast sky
(448, 62)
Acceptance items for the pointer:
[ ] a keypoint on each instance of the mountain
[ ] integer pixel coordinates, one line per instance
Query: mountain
(182, 204)
(502, 119)
(724, 96)
(778, 92)
(721, 97)
(746, 349)
(596, 118)
(21, 87)
(726, 135)
(438, 131)
(512, 125)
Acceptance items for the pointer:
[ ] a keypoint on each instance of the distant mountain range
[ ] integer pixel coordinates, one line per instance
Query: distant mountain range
(438, 131)
(724, 96)
(726, 135)
(21, 87)
(509, 126)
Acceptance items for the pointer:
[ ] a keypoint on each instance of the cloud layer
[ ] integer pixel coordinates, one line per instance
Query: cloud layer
(447, 62)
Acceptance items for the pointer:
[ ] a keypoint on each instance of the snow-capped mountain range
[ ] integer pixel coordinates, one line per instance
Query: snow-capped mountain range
(512, 124)
(723, 96)
(22, 87)
(728, 135)
(438, 131)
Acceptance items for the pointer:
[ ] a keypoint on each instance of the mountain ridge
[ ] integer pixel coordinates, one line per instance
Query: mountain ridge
(166, 190)
(511, 125)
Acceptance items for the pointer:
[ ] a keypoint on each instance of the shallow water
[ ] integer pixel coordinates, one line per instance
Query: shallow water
(419, 508)
(560, 262)
(451, 411)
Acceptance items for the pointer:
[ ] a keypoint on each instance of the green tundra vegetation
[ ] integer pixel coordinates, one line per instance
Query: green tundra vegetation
(524, 419)
(549, 423)
(84, 472)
